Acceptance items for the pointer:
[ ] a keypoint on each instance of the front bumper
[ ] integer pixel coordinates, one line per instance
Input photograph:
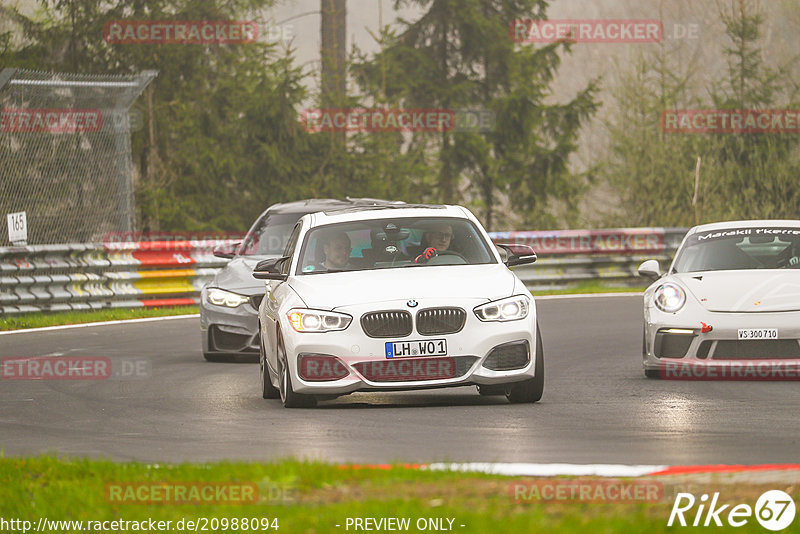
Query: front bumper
(677, 343)
(369, 369)
(225, 330)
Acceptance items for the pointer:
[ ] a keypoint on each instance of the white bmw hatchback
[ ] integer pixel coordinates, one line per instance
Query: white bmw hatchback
(396, 298)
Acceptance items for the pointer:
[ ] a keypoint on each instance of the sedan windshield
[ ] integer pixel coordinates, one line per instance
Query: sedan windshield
(393, 243)
(740, 248)
(269, 234)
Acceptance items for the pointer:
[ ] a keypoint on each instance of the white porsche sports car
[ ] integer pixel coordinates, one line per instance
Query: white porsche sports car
(396, 298)
(728, 305)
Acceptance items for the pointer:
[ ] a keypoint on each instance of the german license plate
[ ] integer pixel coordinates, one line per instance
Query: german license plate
(410, 349)
(758, 333)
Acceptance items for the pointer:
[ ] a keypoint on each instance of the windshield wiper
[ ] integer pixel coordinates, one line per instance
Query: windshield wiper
(332, 271)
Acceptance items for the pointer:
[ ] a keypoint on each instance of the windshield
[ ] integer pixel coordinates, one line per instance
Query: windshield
(269, 235)
(393, 243)
(740, 248)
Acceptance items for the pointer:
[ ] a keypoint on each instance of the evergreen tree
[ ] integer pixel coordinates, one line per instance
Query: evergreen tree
(459, 55)
(741, 175)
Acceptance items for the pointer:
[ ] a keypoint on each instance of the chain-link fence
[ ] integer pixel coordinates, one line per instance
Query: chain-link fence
(65, 153)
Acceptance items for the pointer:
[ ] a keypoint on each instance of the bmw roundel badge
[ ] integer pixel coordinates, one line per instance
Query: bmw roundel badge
(412, 303)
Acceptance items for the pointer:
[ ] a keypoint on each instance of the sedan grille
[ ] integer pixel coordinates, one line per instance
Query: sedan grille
(393, 323)
(437, 321)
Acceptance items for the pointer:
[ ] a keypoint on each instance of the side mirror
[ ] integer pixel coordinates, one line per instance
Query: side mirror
(650, 269)
(227, 250)
(518, 254)
(270, 269)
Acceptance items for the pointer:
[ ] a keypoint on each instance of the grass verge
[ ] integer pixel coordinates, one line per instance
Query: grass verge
(38, 320)
(316, 497)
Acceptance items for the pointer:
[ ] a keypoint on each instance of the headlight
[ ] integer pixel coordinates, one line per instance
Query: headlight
(303, 320)
(508, 309)
(220, 297)
(669, 298)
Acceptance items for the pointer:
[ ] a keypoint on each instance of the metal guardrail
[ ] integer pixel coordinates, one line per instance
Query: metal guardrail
(568, 257)
(95, 276)
(171, 273)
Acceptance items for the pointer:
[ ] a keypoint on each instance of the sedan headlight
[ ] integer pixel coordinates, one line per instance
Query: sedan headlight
(669, 297)
(507, 309)
(303, 320)
(220, 297)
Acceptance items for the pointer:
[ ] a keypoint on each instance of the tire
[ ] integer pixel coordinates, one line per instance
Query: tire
(289, 398)
(217, 358)
(268, 391)
(649, 373)
(530, 390)
(488, 391)
(652, 373)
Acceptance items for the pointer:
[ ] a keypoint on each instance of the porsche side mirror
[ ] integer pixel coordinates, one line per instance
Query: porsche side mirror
(518, 254)
(650, 269)
(226, 251)
(270, 269)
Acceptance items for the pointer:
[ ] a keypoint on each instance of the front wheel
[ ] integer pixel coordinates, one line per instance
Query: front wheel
(530, 390)
(289, 398)
(268, 391)
(649, 373)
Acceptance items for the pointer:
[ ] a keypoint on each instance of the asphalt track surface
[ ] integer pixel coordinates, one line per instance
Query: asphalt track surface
(597, 406)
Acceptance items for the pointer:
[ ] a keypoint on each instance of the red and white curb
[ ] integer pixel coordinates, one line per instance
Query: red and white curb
(597, 470)
(549, 470)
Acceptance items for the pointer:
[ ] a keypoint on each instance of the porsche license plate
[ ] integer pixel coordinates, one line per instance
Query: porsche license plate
(758, 333)
(410, 349)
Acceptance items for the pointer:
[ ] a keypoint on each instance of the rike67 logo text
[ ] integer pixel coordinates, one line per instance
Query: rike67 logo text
(774, 510)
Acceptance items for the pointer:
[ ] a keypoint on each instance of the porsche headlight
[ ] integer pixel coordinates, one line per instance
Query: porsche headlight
(508, 309)
(669, 297)
(303, 320)
(220, 297)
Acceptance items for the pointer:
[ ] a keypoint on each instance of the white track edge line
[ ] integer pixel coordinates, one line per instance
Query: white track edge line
(99, 323)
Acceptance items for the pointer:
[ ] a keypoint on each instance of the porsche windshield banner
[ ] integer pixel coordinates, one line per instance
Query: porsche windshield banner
(760, 234)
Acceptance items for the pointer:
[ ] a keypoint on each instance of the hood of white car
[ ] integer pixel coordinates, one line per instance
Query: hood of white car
(336, 290)
(745, 290)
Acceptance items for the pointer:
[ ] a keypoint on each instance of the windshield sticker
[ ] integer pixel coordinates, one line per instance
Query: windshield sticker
(745, 232)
